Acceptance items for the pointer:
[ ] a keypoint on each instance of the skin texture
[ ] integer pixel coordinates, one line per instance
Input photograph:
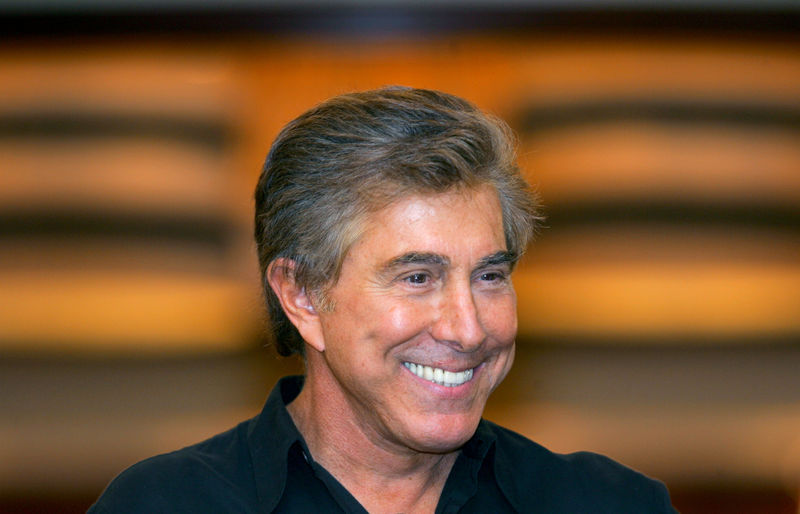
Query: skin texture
(429, 283)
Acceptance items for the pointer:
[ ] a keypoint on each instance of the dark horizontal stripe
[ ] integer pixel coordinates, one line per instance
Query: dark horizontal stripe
(738, 370)
(213, 134)
(768, 216)
(354, 19)
(654, 344)
(102, 382)
(212, 233)
(547, 117)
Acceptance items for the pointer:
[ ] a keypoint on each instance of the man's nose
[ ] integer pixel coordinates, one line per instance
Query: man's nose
(459, 321)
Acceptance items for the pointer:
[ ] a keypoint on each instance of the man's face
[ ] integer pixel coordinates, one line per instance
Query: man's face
(424, 319)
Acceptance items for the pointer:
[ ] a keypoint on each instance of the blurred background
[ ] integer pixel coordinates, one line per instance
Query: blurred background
(659, 308)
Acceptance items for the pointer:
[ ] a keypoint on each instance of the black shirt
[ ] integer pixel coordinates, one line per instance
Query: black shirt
(263, 465)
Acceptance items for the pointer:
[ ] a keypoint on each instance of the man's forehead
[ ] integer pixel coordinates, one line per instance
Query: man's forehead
(433, 229)
(418, 206)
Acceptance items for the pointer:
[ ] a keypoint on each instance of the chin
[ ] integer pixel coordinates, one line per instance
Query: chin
(446, 435)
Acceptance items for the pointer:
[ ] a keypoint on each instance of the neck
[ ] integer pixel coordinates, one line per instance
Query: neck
(382, 476)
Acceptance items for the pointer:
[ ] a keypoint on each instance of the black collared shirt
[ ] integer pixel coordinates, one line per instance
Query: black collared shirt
(263, 465)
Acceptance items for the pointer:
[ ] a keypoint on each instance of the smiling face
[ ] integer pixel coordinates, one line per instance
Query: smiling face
(423, 321)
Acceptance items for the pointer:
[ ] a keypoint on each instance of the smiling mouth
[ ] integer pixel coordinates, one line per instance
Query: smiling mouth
(440, 376)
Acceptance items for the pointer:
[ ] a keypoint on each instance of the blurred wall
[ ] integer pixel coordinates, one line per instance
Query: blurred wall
(659, 307)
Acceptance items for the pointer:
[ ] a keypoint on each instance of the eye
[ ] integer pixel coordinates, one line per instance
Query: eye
(417, 278)
(492, 276)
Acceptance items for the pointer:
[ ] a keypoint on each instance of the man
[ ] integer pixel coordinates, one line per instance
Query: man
(388, 224)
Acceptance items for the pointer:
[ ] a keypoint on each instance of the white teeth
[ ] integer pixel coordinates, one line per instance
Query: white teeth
(440, 376)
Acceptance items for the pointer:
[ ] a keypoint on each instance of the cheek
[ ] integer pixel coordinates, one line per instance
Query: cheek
(509, 361)
(500, 318)
(407, 318)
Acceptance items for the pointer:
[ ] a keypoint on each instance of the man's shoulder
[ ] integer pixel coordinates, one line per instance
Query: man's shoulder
(216, 472)
(572, 482)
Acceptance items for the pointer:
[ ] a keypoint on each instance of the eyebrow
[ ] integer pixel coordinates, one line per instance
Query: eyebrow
(502, 257)
(497, 258)
(417, 258)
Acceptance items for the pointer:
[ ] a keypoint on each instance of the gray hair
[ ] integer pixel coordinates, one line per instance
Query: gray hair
(357, 153)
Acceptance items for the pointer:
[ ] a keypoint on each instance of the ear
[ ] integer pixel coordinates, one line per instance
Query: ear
(296, 302)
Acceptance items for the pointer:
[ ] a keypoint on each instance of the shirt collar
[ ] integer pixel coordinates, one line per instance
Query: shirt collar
(271, 434)
(480, 443)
